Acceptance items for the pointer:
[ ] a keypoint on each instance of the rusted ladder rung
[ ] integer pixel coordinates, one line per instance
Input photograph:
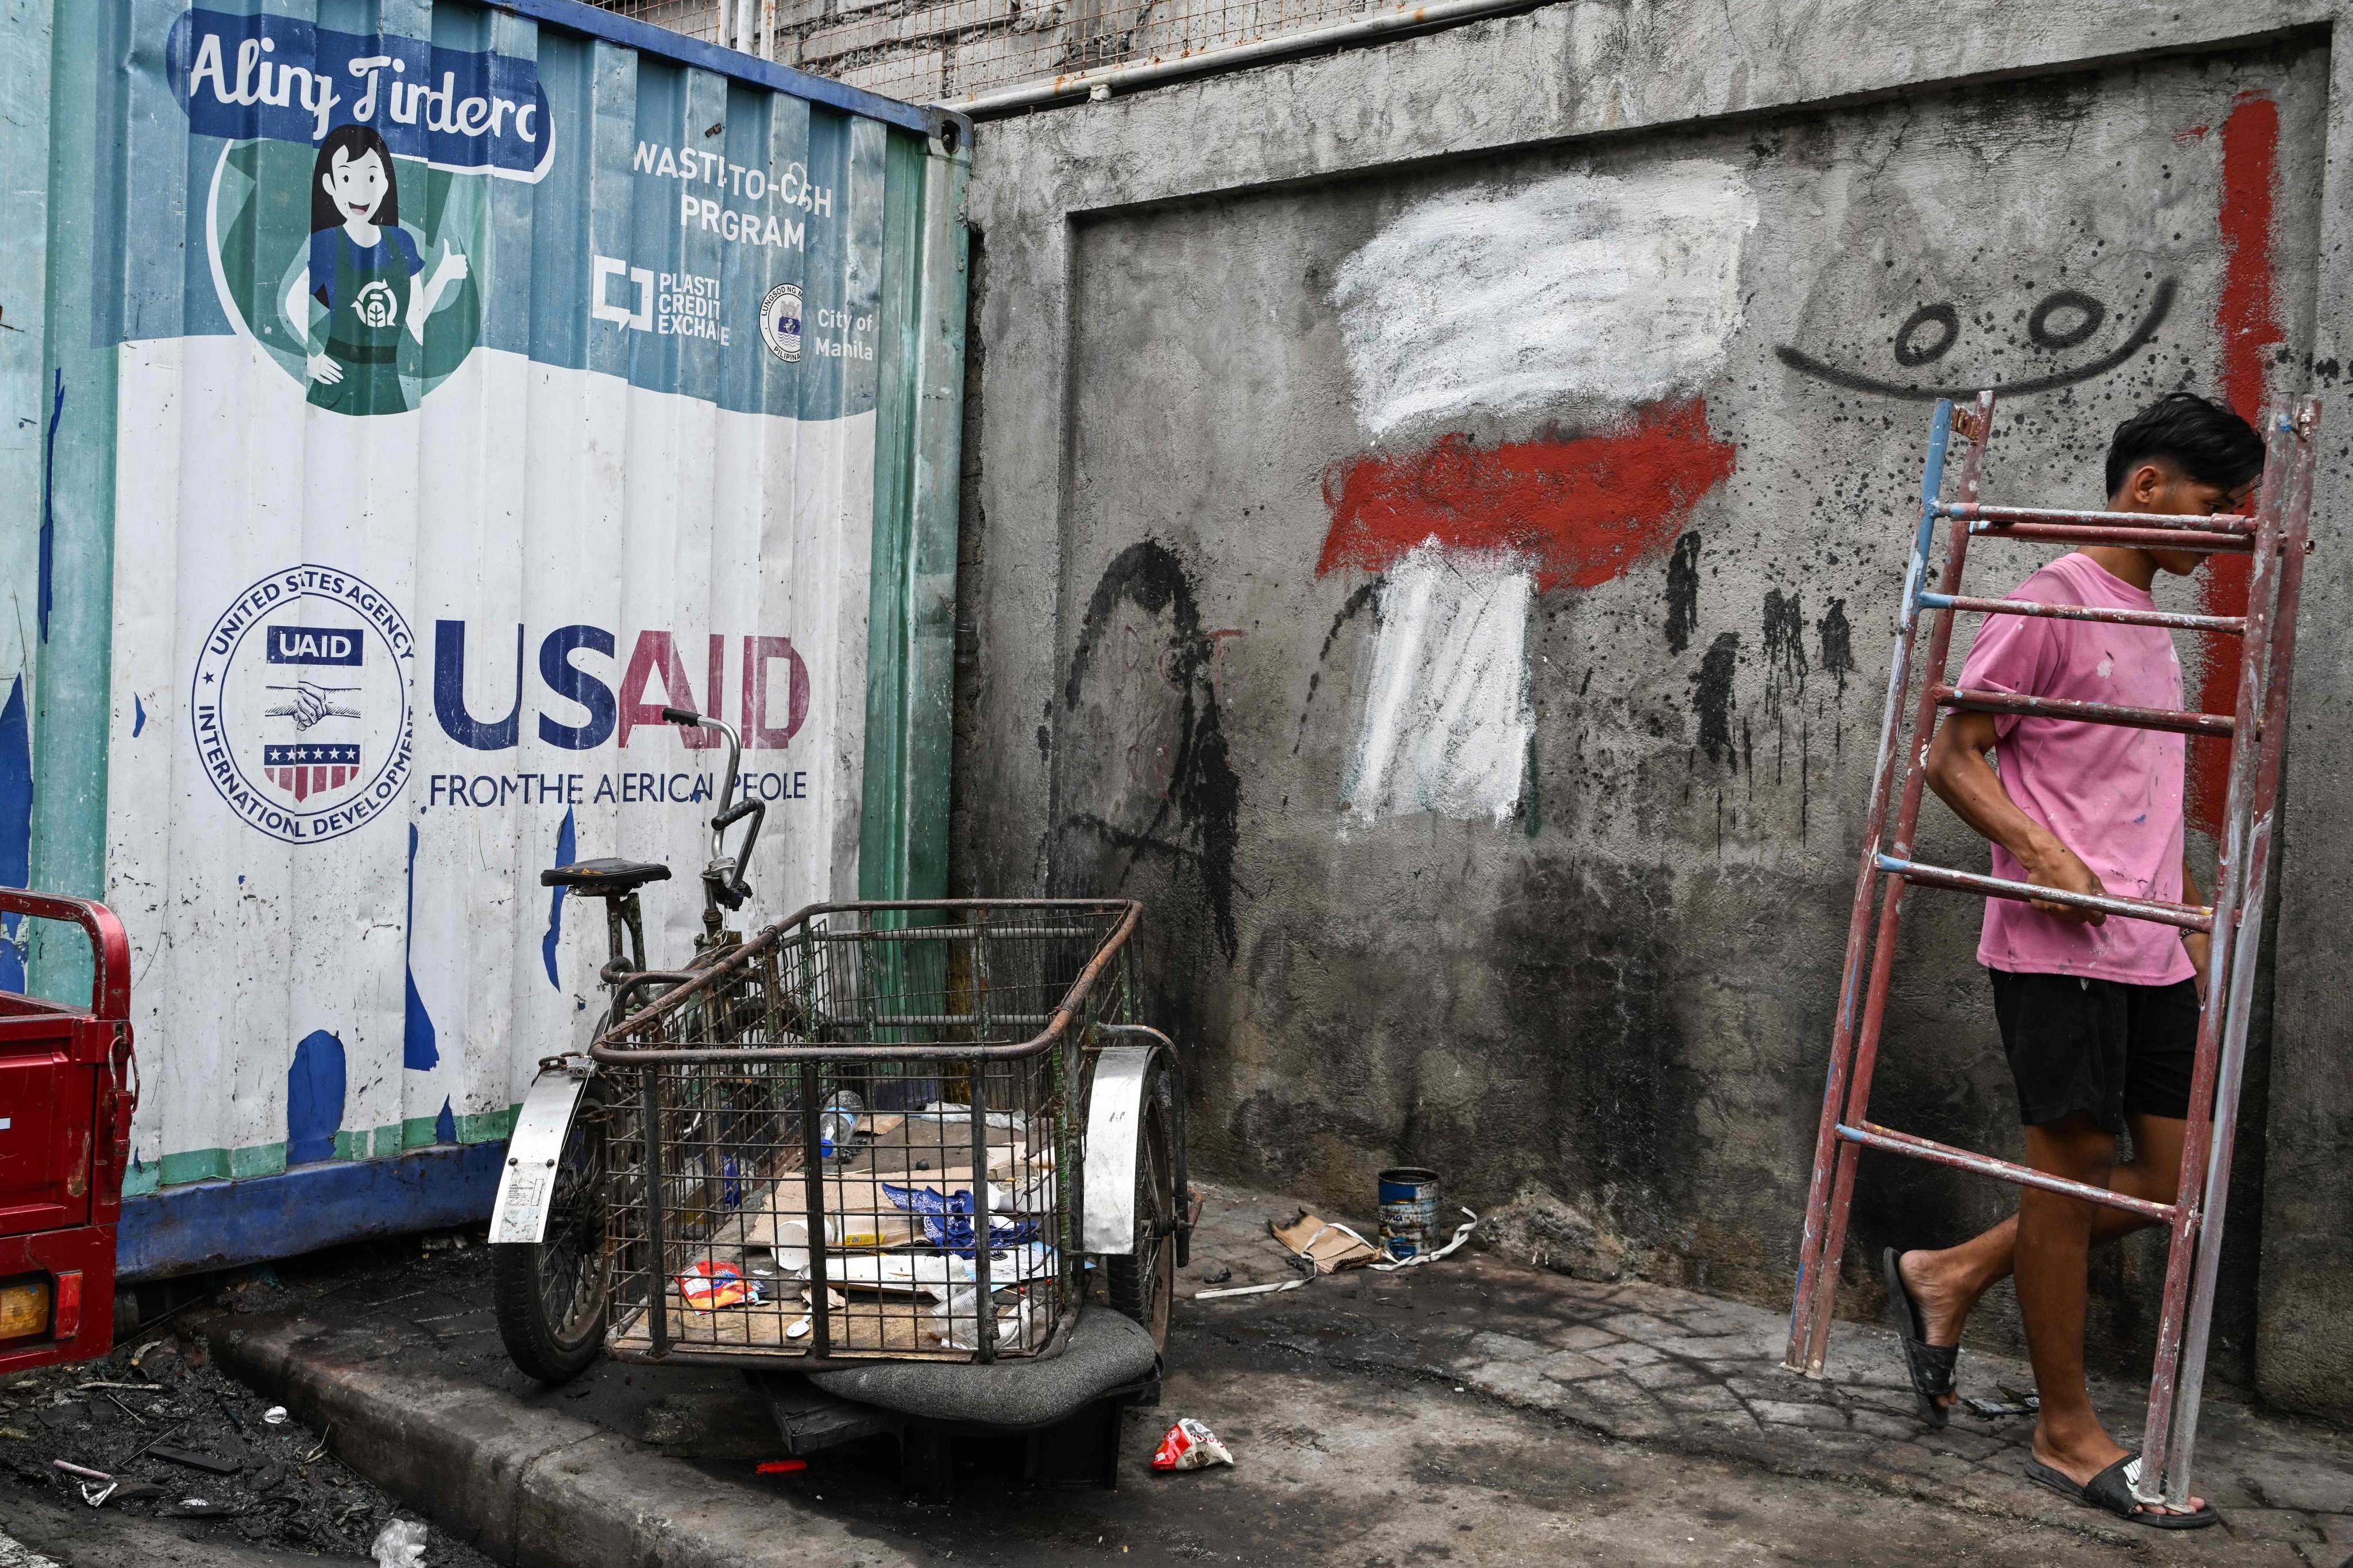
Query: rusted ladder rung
(2196, 521)
(2139, 538)
(1976, 700)
(2188, 916)
(1873, 1136)
(2171, 620)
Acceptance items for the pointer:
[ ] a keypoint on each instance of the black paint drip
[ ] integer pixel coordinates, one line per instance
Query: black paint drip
(1785, 670)
(1837, 643)
(1204, 792)
(1366, 594)
(1713, 701)
(1683, 593)
(1785, 642)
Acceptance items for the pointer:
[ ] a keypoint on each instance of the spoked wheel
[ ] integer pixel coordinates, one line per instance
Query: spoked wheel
(1140, 1285)
(552, 1294)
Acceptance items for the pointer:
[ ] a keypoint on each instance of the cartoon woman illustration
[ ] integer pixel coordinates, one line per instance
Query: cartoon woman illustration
(366, 270)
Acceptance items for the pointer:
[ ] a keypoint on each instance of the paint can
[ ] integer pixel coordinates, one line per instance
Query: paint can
(1408, 1210)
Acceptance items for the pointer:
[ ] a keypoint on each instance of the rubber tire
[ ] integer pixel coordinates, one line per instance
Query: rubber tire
(536, 1345)
(1141, 1284)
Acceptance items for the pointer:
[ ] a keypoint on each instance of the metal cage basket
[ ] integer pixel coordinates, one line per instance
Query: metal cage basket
(857, 1134)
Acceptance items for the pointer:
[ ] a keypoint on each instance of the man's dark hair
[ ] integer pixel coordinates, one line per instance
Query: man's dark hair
(2204, 440)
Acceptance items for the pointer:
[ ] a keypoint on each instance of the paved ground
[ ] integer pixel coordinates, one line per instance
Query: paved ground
(1471, 1413)
(1698, 1374)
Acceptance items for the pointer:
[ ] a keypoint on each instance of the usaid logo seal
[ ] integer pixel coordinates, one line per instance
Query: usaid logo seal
(299, 704)
(780, 321)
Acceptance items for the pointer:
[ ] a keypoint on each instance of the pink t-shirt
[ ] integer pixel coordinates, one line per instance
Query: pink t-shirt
(2112, 793)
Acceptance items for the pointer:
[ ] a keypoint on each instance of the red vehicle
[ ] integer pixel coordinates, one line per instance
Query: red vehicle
(67, 1089)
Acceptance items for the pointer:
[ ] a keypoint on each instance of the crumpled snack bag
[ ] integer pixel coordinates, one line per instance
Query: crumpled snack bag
(1189, 1446)
(707, 1286)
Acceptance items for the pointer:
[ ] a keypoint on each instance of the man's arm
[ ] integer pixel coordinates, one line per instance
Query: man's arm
(2196, 944)
(1963, 780)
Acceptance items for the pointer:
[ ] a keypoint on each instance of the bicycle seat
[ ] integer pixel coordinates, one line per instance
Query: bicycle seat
(604, 879)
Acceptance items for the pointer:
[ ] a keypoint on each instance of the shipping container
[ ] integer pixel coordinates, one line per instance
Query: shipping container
(429, 393)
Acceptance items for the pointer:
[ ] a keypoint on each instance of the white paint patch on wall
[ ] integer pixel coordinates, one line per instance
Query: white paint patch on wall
(1595, 290)
(1448, 715)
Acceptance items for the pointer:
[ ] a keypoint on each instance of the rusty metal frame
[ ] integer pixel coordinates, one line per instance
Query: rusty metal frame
(1052, 1043)
(2205, 540)
(2277, 535)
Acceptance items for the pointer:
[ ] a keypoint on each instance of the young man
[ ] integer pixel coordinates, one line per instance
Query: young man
(2098, 1015)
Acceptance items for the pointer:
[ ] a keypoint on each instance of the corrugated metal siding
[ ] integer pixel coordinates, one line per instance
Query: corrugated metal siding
(393, 608)
(24, 429)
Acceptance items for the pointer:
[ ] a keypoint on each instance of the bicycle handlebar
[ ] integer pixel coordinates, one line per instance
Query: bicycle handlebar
(729, 889)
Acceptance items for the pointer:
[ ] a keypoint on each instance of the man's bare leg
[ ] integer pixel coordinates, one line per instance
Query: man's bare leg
(2048, 1247)
(1947, 1284)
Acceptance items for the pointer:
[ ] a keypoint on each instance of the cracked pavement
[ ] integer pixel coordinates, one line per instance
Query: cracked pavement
(1473, 1411)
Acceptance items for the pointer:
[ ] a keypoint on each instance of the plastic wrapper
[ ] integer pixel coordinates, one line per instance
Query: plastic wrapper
(1189, 1446)
(400, 1544)
(947, 1220)
(710, 1285)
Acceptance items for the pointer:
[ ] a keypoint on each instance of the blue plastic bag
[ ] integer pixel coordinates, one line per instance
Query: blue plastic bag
(947, 1221)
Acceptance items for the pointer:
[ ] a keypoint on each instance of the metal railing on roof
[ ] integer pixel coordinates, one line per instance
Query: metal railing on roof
(979, 54)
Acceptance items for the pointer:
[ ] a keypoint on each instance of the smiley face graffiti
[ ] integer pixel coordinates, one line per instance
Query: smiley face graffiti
(2061, 322)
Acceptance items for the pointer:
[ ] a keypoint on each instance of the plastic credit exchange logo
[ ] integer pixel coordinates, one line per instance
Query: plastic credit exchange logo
(241, 78)
(300, 704)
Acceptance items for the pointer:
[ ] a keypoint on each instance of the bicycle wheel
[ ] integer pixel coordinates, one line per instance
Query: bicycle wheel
(552, 1294)
(1141, 1284)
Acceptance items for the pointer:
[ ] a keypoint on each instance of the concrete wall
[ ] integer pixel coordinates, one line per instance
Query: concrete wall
(1438, 513)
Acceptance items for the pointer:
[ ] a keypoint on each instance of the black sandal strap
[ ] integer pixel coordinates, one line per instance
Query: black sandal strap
(1932, 1366)
(2111, 1488)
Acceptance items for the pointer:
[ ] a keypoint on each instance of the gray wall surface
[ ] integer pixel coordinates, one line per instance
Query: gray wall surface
(1433, 531)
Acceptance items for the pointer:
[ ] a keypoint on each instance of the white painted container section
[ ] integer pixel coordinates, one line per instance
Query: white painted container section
(482, 389)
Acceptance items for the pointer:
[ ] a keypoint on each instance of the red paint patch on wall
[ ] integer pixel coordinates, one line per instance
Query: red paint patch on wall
(2247, 320)
(1580, 511)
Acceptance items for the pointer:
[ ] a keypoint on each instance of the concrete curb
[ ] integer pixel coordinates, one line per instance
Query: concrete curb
(525, 1485)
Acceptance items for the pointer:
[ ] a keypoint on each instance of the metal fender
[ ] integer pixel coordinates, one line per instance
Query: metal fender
(1115, 1121)
(528, 1183)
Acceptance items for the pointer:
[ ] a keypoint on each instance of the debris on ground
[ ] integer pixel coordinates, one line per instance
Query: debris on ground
(256, 1289)
(1462, 1233)
(1316, 1245)
(400, 1544)
(153, 1430)
(1189, 1446)
(1327, 1243)
(1269, 1288)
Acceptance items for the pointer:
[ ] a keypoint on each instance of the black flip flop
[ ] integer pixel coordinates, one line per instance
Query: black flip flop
(1931, 1366)
(2111, 1491)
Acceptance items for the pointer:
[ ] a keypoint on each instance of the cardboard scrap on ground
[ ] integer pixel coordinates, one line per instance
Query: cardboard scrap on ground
(1332, 1245)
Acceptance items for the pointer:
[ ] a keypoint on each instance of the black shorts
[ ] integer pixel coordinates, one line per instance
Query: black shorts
(2106, 1046)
